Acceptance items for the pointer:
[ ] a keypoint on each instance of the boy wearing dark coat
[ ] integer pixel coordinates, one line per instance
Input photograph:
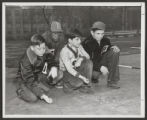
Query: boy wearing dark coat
(36, 70)
(104, 55)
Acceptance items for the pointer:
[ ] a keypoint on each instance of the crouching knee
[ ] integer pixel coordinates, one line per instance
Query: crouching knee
(33, 99)
(27, 97)
(114, 53)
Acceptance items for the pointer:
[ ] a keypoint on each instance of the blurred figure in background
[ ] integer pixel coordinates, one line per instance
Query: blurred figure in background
(55, 39)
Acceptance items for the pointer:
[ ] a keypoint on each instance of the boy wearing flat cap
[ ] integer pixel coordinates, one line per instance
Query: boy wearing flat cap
(76, 64)
(104, 55)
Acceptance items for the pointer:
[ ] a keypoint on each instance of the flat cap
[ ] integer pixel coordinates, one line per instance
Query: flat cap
(99, 25)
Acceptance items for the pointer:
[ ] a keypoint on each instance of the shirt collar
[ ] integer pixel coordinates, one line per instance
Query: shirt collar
(74, 48)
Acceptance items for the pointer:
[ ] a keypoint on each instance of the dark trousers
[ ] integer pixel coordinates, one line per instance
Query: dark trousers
(74, 82)
(111, 60)
(31, 92)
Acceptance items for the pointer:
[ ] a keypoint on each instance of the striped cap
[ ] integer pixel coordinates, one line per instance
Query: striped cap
(56, 27)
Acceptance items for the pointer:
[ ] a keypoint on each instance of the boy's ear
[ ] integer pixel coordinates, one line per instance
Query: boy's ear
(69, 40)
(32, 48)
(91, 32)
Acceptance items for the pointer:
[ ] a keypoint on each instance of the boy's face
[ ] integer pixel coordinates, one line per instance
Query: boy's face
(98, 34)
(39, 50)
(75, 42)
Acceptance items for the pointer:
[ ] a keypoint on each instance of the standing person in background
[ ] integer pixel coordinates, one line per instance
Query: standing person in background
(55, 42)
(55, 39)
(104, 55)
(76, 65)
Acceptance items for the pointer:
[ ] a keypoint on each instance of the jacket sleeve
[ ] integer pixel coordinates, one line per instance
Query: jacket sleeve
(18, 77)
(27, 71)
(87, 48)
(83, 52)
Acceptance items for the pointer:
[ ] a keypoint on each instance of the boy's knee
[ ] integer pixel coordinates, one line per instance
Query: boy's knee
(114, 53)
(30, 97)
(33, 99)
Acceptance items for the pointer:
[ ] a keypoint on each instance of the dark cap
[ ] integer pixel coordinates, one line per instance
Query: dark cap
(99, 25)
(74, 33)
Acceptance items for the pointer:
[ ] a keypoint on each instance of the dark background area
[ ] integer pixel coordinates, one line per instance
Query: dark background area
(23, 21)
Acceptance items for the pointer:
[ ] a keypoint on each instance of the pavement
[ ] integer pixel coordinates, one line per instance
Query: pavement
(105, 101)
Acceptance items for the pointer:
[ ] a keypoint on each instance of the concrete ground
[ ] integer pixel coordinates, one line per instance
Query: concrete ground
(105, 101)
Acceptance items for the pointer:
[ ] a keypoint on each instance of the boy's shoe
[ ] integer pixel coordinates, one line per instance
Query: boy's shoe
(59, 85)
(67, 89)
(87, 90)
(113, 85)
(46, 99)
(95, 81)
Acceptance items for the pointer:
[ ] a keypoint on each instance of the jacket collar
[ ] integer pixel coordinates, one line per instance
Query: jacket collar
(31, 55)
(93, 41)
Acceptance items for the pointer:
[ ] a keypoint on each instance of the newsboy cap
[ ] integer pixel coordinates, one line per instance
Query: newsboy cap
(99, 25)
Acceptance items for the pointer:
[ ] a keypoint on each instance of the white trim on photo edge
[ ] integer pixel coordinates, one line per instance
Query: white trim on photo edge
(142, 4)
(143, 60)
(75, 3)
(3, 58)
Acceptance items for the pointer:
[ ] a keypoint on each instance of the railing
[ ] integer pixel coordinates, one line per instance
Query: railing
(122, 33)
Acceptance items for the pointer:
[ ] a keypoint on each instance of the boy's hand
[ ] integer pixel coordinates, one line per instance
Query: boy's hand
(85, 80)
(104, 70)
(115, 49)
(50, 50)
(53, 72)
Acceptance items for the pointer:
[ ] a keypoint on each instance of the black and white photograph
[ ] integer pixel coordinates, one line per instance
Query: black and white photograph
(73, 59)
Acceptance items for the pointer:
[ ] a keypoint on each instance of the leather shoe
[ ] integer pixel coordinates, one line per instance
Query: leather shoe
(87, 90)
(95, 81)
(112, 85)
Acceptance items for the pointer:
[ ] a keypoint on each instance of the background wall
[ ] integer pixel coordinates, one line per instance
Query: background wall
(23, 21)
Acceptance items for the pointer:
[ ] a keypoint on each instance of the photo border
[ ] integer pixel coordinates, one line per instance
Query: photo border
(143, 57)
